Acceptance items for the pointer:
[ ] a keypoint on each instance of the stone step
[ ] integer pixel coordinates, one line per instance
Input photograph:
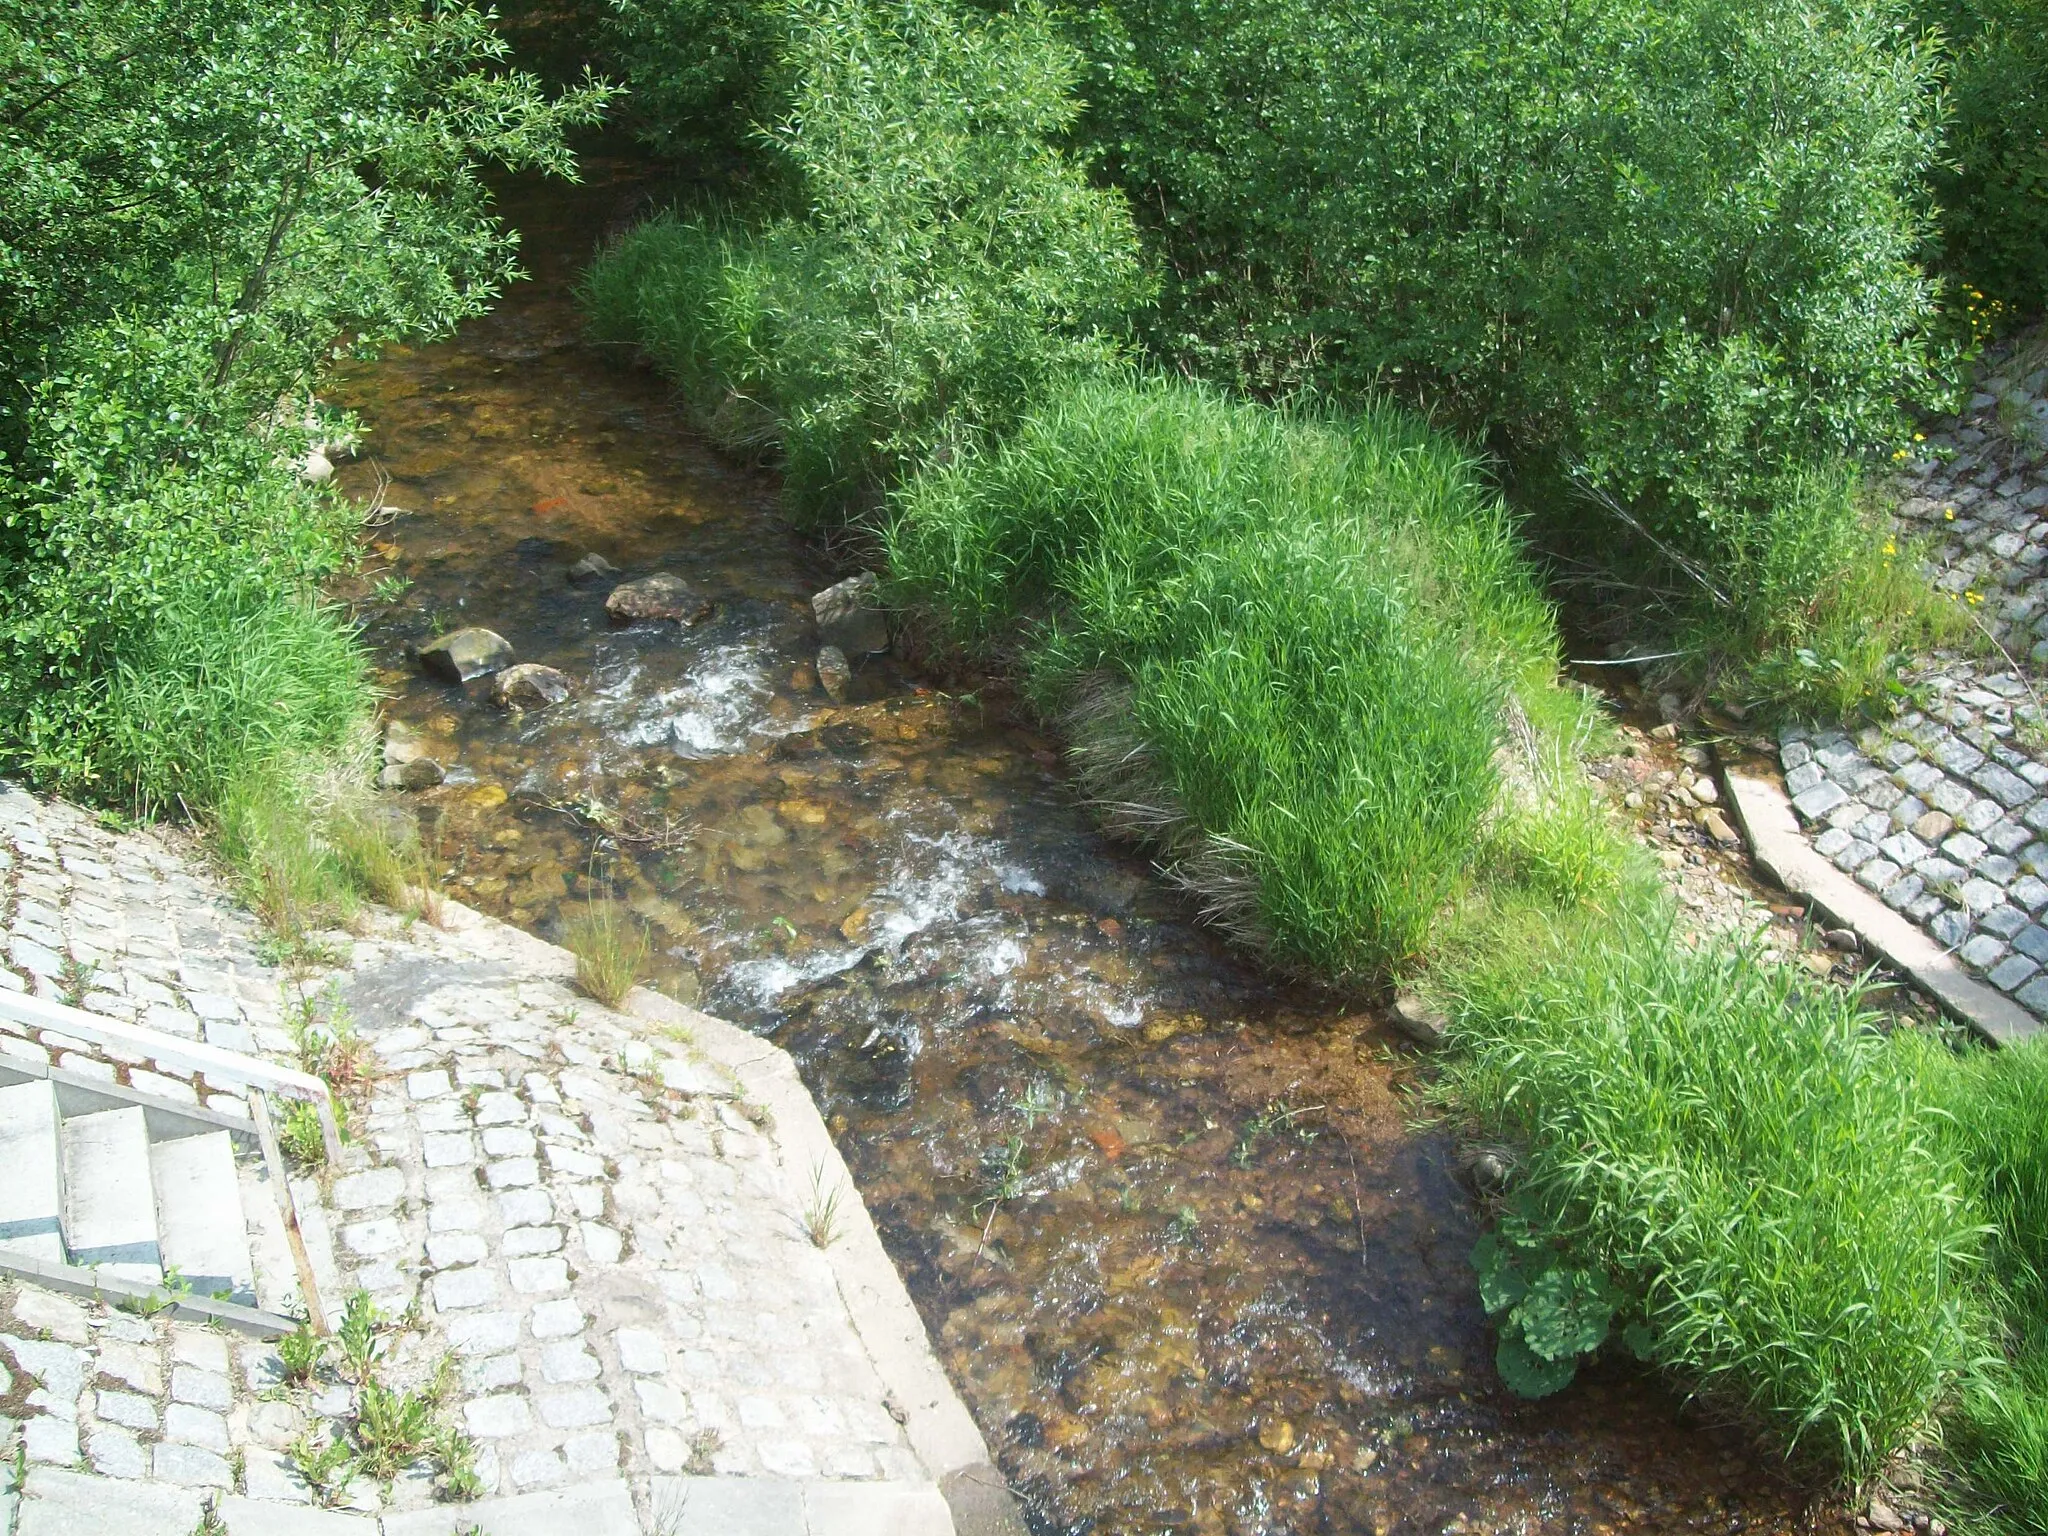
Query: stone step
(109, 1197)
(201, 1232)
(594, 1509)
(32, 1193)
(59, 1503)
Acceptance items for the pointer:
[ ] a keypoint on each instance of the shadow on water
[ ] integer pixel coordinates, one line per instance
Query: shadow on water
(1165, 1218)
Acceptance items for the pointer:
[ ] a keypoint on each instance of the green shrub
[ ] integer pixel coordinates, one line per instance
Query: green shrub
(1772, 1180)
(702, 73)
(950, 265)
(1993, 182)
(1281, 644)
(1662, 254)
(196, 199)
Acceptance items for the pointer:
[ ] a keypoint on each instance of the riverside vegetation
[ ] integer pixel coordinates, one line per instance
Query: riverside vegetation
(1293, 634)
(1144, 340)
(198, 199)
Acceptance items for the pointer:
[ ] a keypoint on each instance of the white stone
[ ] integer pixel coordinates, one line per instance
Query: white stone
(662, 1403)
(665, 1449)
(459, 1289)
(513, 1173)
(195, 1426)
(116, 1453)
(372, 1189)
(524, 1242)
(508, 1141)
(642, 1352)
(192, 1467)
(525, 1207)
(428, 1085)
(532, 1469)
(556, 1319)
(453, 1150)
(492, 1373)
(50, 1440)
(578, 1408)
(536, 1277)
(449, 1250)
(127, 1408)
(204, 1389)
(500, 1109)
(131, 1365)
(491, 1418)
(593, 1454)
(47, 1312)
(568, 1361)
(483, 1333)
(370, 1238)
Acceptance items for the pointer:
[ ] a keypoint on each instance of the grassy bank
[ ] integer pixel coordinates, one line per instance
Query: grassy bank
(1284, 647)
(1300, 653)
(202, 199)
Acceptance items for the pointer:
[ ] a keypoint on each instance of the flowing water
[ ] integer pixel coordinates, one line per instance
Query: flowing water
(1166, 1219)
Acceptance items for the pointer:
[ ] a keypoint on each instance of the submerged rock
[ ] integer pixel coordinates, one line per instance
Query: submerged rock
(530, 686)
(850, 619)
(402, 744)
(592, 567)
(833, 673)
(465, 654)
(660, 596)
(415, 773)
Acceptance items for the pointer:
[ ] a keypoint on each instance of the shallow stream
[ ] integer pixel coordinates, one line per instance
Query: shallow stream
(1166, 1219)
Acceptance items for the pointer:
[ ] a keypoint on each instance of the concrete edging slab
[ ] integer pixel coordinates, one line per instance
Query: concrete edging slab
(939, 1427)
(1782, 850)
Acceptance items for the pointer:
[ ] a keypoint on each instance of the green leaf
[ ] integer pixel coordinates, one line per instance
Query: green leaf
(1527, 1373)
(1639, 1340)
(1566, 1314)
(1501, 1283)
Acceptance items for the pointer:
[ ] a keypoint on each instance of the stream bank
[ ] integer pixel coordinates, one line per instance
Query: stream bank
(1165, 1218)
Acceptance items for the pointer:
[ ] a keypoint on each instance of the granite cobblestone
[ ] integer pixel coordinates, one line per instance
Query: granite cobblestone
(1958, 780)
(614, 1264)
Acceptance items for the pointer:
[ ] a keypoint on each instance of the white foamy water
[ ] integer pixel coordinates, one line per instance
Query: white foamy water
(718, 707)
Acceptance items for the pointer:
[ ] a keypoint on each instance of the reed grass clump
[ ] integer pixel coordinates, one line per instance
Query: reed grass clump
(1771, 1177)
(1284, 645)
(611, 951)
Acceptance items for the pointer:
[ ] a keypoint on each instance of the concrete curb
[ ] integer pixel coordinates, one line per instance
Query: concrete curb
(1783, 852)
(940, 1429)
(941, 1432)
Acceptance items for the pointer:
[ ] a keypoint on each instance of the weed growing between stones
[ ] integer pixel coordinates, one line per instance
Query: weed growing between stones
(821, 1214)
(389, 1428)
(611, 951)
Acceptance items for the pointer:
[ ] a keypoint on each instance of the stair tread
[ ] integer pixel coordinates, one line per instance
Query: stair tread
(200, 1226)
(32, 1193)
(109, 1195)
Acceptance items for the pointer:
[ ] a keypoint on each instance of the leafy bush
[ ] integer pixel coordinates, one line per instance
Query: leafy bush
(702, 72)
(1281, 644)
(1993, 183)
(1771, 1177)
(1662, 252)
(950, 265)
(196, 198)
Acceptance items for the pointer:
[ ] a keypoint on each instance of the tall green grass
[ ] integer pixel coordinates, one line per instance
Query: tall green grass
(1286, 647)
(1997, 1435)
(1745, 1152)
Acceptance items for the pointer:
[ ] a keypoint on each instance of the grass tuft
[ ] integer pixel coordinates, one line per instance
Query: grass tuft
(611, 951)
